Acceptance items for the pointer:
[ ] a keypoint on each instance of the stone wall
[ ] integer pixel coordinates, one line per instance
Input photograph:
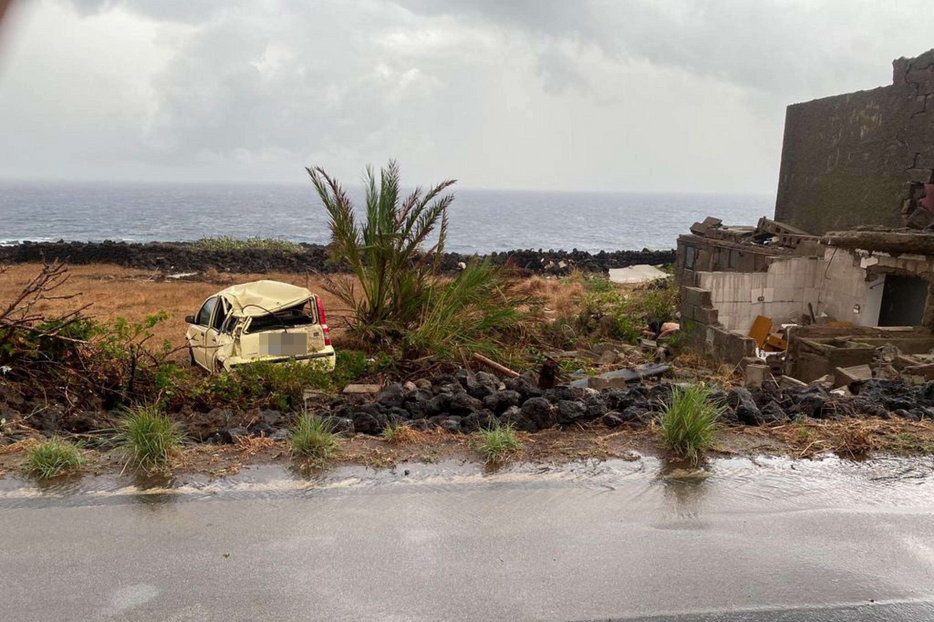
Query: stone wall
(185, 256)
(848, 160)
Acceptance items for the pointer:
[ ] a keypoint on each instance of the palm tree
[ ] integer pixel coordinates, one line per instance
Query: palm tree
(404, 301)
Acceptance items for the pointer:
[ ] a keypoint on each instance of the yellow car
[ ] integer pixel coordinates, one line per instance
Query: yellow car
(260, 321)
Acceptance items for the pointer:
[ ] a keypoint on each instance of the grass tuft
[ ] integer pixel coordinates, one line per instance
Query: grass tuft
(149, 436)
(498, 441)
(52, 457)
(688, 421)
(313, 437)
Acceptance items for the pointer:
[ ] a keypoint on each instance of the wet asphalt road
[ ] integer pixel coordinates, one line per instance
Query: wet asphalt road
(748, 543)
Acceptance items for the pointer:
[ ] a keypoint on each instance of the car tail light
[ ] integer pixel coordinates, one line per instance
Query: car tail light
(323, 320)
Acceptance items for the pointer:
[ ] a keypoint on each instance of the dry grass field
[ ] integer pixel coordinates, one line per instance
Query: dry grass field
(115, 292)
(133, 294)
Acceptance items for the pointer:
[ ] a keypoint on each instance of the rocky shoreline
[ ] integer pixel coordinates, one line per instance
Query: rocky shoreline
(175, 257)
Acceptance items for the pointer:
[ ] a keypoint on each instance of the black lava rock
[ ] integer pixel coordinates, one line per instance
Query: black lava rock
(811, 402)
(772, 413)
(537, 413)
(744, 406)
(451, 424)
(500, 401)
(368, 422)
(618, 399)
(560, 393)
(478, 420)
(397, 415)
(392, 396)
(440, 403)
(570, 411)
(481, 385)
(636, 413)
(524, 387)
(342, 425)
(230, 435)
(596, 407)
(462, 404)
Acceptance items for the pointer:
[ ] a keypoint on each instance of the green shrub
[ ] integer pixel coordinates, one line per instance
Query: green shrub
(498, 441)
(149, 436)
(607, 310)
(627, 330)
(476, 312)
(689, 419)
(402, 299)
(52, 457)
(313, 437)
(276, 385)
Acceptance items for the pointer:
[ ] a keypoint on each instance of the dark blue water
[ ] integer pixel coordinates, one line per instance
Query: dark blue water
(481, 220)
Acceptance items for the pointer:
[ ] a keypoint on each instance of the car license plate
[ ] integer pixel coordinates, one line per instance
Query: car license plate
(283, 344)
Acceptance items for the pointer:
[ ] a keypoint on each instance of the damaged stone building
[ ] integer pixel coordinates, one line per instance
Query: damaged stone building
(847, 264)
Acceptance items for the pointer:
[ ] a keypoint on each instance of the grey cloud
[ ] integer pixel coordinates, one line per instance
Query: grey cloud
(556, 93)
(559, 71)
(778, 47)
(315, 80)
(182, 11)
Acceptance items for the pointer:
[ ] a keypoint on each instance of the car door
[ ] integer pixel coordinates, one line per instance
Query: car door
(197, 333)
(212, 342)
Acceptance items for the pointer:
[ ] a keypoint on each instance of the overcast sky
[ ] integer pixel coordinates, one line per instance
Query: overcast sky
(640, 95)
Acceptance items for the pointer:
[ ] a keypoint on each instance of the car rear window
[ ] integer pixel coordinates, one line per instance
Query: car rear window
(301, 315)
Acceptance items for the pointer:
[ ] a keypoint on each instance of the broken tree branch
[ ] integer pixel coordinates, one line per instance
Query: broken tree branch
(495, 366)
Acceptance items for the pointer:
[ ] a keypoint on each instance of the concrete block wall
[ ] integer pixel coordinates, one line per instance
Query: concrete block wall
(856, 279)
(700, 322)
(782, 293)
(842, 286)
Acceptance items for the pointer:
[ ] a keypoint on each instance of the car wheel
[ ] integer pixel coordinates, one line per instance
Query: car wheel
(218, 367)
(191, 357)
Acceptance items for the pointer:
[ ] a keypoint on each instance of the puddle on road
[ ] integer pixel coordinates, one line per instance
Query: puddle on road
(721, 486)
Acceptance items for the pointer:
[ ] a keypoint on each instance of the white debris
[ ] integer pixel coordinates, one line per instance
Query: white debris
(637, 274)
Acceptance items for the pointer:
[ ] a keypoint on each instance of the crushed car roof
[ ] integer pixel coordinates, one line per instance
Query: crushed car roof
(264, 297)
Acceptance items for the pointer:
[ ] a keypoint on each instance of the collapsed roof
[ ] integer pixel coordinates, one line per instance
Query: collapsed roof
(264, 297)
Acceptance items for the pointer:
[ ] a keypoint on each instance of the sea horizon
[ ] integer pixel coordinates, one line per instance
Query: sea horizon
(482, 220)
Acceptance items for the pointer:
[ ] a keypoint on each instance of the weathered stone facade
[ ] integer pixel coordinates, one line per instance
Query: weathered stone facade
(860, 158)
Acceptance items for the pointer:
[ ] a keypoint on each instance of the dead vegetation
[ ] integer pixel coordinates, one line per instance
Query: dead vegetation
(849, 438)
(105, 293)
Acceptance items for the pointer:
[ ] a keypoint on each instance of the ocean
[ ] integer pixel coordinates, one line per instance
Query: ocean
(482, 221)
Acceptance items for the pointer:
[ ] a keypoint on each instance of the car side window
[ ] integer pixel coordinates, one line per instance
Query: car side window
(229, 324)
(220, 316)
(204, 315)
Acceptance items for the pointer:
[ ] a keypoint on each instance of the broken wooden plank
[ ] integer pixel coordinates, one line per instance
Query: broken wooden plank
(761, 327)
(362, 389)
